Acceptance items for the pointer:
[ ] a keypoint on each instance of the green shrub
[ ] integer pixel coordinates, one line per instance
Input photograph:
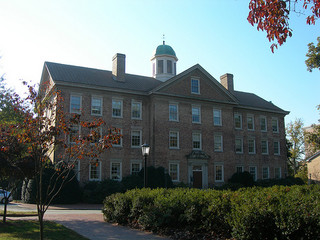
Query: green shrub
(245, 179)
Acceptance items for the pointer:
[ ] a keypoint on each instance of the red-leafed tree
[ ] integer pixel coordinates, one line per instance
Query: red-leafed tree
(272, 16)
(47, 128)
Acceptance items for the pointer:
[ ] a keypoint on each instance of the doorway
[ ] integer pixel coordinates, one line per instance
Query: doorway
(197, 176)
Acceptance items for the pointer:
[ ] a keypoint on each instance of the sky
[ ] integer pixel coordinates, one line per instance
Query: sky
(212, 33)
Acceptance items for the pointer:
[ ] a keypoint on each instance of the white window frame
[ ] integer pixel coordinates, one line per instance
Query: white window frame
(120, 140)
(121, 106)
(174, 147)
(140, 135)
(279, 168)
(80, 104)
(277, 125)
(222, 173)
(255, 177)
(172, 117)
(268, 173)
(120, 165)
(215, 137)
(140, 109)
(99, 172)
(99, 129)
(239, 167)
(254, 146)
(263, 118)
(79, 132)
(199, 109)
(267, 147)
(178, 169)
(236, 115)
(250, 116)
(219, 117)
(101, 105)
(235, 144)
(192, 85)
(138, 162)
(276, 143)
(200, 136)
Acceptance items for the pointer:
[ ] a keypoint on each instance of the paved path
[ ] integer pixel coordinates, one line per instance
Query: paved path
(86, 220)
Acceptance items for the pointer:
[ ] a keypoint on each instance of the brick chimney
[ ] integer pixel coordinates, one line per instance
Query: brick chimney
(227, 81)
(119, 67)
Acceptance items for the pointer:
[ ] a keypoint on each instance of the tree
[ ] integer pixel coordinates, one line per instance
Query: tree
(294, 133)
(313, 54)
(313, 137)
(272, 16)
(47, 128)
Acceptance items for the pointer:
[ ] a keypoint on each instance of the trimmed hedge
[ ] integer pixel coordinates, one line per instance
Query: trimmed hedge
(255, 213)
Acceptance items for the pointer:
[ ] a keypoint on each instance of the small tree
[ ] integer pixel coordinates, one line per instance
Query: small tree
(313, 137)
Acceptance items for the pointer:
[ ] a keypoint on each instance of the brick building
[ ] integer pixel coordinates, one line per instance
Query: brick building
(200, 130)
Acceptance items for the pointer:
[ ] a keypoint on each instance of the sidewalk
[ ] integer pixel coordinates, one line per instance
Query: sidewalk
(87, 220)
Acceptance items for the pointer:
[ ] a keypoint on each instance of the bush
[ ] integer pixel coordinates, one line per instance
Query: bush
(156, 177)
(245, 179)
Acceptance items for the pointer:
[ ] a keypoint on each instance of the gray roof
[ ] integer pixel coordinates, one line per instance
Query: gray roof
(103, 78)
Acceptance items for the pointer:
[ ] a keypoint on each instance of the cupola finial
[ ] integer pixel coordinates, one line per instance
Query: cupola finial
(164, 42)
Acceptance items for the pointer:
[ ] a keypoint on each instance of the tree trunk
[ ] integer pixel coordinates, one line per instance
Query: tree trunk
(40, 216)
(5, 210)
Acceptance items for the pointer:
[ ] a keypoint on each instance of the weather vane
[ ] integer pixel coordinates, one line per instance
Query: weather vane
(163, 37)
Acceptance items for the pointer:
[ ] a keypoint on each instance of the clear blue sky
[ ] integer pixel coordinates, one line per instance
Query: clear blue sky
(213, 33)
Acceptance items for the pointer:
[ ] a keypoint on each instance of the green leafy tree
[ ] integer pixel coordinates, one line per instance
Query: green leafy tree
(295, 137)
(313, 137)
(313, 56)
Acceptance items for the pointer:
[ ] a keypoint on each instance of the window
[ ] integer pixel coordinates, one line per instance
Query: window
(217, 117)
(265, 173)
(276, 148)
(95, 171)
(238, 120)
(95, 134)
(136, 138)
(174, 68)
(76, 169)
(263, 123)
(96, 106)
(196, 114)
(196, 141)
(160, 66)
(173, 112)
(119, 143)
(277, 172)
(218, 145)
(251, 146)
(136, 110)
(174, 171)
(74, 134)
(135, 167)
(117, 108)
(174, 139)
(169, 66)
(115, 171)
(253, 172)
(218, 169)
(250, 122)
(75, 104)
(239, 169)
(153, 69)
(275, 125)
(195, 86)
(264, 147)
(239, 145)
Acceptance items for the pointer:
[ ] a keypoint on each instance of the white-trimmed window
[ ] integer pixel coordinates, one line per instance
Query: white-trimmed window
(196, 114)
(275, 125)
(195, 86)
(276, 148)
(95, 171)
(250, 122)
(238, 121)
(169, 66)
(265, 173)
(173, 112)
(239, 169)
(136, 166)
(75, 103)
(74, 134)
(264, 147)
(174, 171)
(76, 169)
(251, 146)
(96, 106)
(196, 141)
(160, 66)
(136, 110)
(96, 134)
(263, 123)
(239, 145)
(218, 173)
(117, 108)
(116, 171)
(119, 143)
(136, 137)
(218, 143)
(174, 139)
(217, 120)
(253, 172)
(277, 172)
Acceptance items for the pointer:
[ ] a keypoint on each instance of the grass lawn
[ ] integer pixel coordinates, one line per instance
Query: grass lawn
(18, 214)
(29, 230)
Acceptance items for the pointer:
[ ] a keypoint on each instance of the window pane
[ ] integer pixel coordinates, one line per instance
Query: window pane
(160, 66)
(173, 171)
(265, 173)
(275, 125)
(115, 171)
(277, 172)
(253, 172)
(217, 117)
(169, 66)
(196, 141)
(239, 145)
(75, 104)
(173, 112)
(276, 147)
(238, 121)
(251, 146)
(250, 123)
(96, 106)
(74, 133)
(135, 168)
(219, 173)
(263, 124)
(218, 143)
(196, 114)
(135, 138)
(173, 139)
(239, 169)
(116, 108)
(95, 170)
(136, 110)
(264, 147)
(195, 86)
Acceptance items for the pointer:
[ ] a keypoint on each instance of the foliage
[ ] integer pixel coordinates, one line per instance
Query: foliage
(272, 16)
(294, 131)
(245, 179)
(302, 173)
(313, 137)
(156, 177)
(279, 212)
(313, 56)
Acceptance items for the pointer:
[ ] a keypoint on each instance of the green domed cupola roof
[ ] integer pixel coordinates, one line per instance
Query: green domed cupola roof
(164, 50)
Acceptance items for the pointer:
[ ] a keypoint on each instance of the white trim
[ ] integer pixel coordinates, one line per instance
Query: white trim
(178, 170)
(140, 113)
(114, 161)
(266, 123)
(135, 162)
(178, 145)
(254, 146)
(120, 141)
(250, 116)
(121, 106)
(279, 172)
(277, 121)
(267, 146)
(235, 145)
(220, 117)
(200, 136)
(267, 172)
(198, 80)
(101, 105)
(99, 177)
(278, 143)
(214, 142)
(255, 177)
(222, 172)
(234, 120)
(196, 107)
(75, 95)
(140, 134)
(177, 106)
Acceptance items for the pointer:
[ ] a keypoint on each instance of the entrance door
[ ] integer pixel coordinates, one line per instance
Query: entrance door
(197, 176)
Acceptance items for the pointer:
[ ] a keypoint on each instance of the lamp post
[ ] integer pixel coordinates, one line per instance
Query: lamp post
(145, 152)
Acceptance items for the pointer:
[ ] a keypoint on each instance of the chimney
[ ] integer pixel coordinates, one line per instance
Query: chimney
(227, 81)
(119, 67)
